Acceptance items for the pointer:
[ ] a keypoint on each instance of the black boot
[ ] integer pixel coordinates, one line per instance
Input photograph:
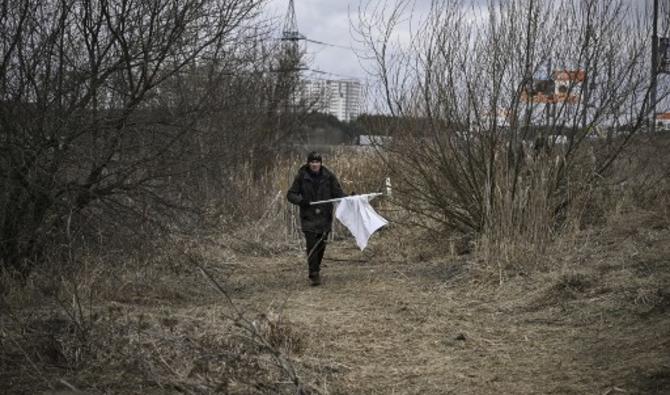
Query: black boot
(316, 246)
(315, 279)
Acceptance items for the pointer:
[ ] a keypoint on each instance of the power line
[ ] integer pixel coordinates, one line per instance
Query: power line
(291, 36)
(334, 74)
(329, 44)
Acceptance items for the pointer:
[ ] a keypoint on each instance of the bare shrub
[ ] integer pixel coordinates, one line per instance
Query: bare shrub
(476, 148)
(119, 120)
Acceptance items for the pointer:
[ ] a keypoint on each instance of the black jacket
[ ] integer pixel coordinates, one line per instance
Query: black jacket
(308, 188)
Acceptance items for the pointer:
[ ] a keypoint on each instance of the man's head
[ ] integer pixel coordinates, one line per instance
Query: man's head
(314, 162)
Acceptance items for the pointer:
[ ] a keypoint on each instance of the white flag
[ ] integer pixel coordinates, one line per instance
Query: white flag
(359, 217)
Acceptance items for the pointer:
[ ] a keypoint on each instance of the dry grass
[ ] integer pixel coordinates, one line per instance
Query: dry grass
(442, 326)
(587, 313)
(264, 222)
(416, 323)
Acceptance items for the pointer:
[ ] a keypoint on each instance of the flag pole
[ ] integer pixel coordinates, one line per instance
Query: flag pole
(342, 198)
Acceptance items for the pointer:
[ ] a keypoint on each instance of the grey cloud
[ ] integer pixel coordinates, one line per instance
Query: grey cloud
(328, 21)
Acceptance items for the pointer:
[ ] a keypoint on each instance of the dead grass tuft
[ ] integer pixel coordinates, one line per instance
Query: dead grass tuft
(280, 333)
(569, 283)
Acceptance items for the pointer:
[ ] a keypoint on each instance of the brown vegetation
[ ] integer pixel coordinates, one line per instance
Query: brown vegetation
(147, 245)
(407, 315)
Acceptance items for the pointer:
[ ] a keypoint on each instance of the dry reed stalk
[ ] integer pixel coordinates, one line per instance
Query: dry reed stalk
(267, 218)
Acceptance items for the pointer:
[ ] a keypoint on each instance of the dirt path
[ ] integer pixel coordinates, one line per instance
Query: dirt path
(594, 318)
(432, 327)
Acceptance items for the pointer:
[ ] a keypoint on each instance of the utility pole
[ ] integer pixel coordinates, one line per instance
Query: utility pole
(290, 61)
(654, 66)
(291, 37)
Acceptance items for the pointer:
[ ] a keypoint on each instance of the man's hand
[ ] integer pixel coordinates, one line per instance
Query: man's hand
(304, 203)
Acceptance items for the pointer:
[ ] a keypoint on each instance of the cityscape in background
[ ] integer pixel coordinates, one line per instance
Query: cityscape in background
(339, 98)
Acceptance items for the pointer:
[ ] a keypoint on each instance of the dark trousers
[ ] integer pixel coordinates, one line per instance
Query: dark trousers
(316, 246)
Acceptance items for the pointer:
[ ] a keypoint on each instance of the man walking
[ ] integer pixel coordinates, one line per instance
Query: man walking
(314, 182)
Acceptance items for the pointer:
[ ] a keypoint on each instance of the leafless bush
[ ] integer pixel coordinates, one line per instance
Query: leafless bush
(118, 119)
(476, 147)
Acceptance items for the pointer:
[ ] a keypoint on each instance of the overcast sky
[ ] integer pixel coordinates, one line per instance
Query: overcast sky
(328, 21)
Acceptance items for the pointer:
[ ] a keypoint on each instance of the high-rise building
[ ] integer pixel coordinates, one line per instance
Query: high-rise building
(340, 98)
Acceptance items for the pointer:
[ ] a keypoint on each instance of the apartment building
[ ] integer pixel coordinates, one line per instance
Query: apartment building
(340, 98)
